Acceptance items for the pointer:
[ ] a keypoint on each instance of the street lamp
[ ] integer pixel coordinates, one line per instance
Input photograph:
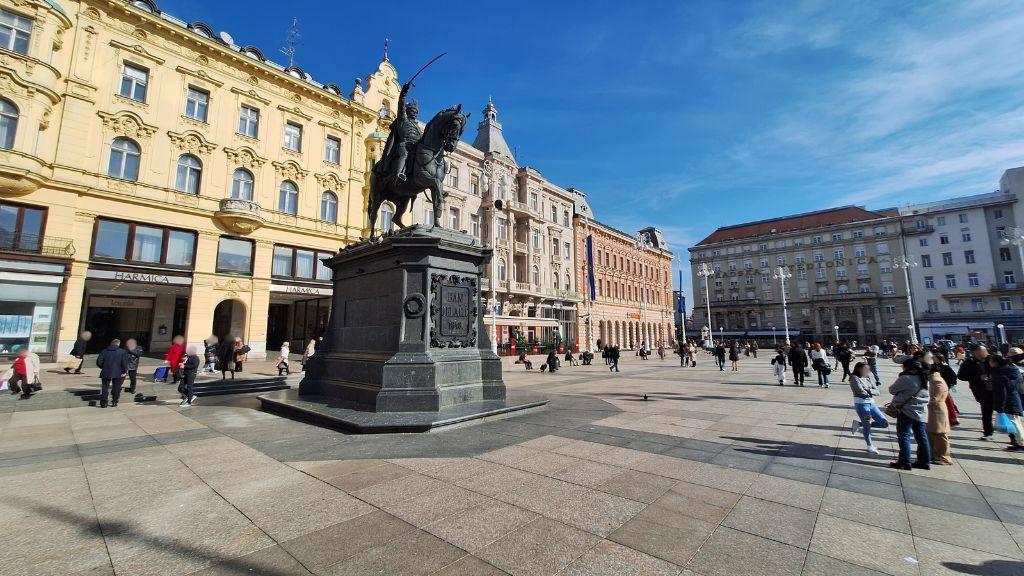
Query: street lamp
(903, 263)
(682, 317)
(496, 206)
(781, 273)
(775, 341)
(705, 271)
(1002, 334)
(836, 330)
(642, 242)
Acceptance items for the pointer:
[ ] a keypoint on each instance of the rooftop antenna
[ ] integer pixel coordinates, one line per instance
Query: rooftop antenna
(386, 42)
(292, 43)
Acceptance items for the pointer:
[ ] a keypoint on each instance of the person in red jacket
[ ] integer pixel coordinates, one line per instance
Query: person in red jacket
(174, 355)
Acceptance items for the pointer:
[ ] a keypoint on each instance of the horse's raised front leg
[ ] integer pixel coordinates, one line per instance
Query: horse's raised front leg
(401, 205)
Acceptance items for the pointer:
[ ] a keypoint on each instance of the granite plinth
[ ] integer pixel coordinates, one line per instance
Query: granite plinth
(332, 412)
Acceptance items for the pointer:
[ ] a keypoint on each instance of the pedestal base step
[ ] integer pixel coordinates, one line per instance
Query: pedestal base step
(329, 412)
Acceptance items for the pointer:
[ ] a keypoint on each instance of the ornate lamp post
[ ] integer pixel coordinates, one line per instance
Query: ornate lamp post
(836, 330)
(705, 271)
(781, 274)
(496, 206)
(1002, 334)
(642, 243)
(775, 341)
(905, 264)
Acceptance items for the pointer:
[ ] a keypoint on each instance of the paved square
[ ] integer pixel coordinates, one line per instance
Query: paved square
(716, 473)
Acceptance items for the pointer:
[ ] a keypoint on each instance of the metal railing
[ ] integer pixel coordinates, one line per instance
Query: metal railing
(33, 244)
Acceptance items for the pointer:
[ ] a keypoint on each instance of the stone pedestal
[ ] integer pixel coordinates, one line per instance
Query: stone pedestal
(406, 340)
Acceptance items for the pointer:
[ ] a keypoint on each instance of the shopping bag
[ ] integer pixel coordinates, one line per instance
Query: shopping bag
(1005, 425)
(160, 375)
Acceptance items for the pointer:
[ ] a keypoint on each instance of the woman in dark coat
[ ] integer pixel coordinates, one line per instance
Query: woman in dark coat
(1006, 381)
(734, 356)
(232, 354)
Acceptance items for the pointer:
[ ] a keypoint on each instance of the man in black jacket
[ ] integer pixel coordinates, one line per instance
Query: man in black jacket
(720, 356)
(78, 351)
(113, 365)
(974, 371)
(798, 360)
(189, 368)
(134, 353)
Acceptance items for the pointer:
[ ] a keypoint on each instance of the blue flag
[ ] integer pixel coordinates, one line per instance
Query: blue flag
(590, 267)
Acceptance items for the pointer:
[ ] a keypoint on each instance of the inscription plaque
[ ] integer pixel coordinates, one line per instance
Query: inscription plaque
(453, 311)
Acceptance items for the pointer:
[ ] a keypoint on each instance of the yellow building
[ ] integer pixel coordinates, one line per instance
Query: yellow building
(156, 179)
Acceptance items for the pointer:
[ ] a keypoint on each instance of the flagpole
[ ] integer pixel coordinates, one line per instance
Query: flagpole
(682, 303)
(590, 284)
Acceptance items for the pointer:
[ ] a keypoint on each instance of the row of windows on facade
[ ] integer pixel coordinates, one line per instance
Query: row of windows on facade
(607, 259)
(819, 274)
(781, 260)
(1009, 280)
(977, 305)
(125, 156)
(535, 276)
(627, 292)
(118, 241)
(780, 244)
(947, 258)
(501, 190)
(135, 84)
(922, 223)
(802, 293)
(826, 314)
(965, 235)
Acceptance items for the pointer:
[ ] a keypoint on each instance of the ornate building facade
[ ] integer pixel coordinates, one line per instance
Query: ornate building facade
(625, 275)
(157, 178)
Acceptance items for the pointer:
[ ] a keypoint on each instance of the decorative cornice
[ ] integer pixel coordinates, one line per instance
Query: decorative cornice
(289, 170)
(334, 126)
(251, 94)
(296, 111)
(330, 181)
(192, 142)
(245, 157)
(200, 74)
(138, 50)
(128, 124)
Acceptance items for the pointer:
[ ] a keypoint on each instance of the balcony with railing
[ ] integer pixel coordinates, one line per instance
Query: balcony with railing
(240, 216)
(845, 296)
(1005, 286)
(40, 245)
(911, 230)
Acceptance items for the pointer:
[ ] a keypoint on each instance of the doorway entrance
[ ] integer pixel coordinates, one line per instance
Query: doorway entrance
(229, 319)
(277, 325)
(108, 318)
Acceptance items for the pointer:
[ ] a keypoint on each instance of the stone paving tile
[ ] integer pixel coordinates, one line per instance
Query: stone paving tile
(961, 530)
(700, 502)
(639, 486)
(481, 525)
(323, 469)
(588, 473)
(469, 566)
(272, 561)
(883, 550)
(867, 487)
(871, 510)
(941, 559)
(779, 522)
(818, 565)
(665, 534)
(593, 511)
(540, 548)
(398, 489)
(546, 463)
(785, 491)
(731, 553)
(723, 478)
(510, 455)
(611, 559)
(668, 466)
(415, 553)
(321, 549)
(367, 477)
(430, 507)
(970, 506)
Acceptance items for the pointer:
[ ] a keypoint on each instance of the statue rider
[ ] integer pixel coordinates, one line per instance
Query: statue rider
(405, 133)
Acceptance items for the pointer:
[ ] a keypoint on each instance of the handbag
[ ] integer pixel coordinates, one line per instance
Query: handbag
(893, 411)
(1004, 424)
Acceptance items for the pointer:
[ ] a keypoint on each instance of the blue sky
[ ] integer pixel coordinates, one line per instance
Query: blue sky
(692, 115)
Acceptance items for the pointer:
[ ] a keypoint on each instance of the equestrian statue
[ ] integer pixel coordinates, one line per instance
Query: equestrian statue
(414, 160)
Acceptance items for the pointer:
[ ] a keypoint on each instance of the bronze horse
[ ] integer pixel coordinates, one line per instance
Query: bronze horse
(425, 170)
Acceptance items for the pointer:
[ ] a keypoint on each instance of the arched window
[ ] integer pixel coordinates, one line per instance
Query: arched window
(535, 275)
(329, 207)
(242, 183)
(8, 124)
(502, 271)
(288, 198)
(190, 173)
(387, 215)
(568, 282)
(124, 159)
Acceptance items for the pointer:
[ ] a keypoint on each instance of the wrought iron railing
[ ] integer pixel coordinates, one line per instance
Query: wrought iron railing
(33, 244)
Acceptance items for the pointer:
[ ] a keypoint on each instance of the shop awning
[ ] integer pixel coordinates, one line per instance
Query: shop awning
(524, 321)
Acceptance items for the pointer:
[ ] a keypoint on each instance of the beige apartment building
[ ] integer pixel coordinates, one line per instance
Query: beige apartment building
(158, 177)
(842, 273)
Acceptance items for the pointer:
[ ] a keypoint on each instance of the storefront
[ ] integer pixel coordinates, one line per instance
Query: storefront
(564, 331)
(297, 314)
(518, 333)
(148, 306)
(30, 293)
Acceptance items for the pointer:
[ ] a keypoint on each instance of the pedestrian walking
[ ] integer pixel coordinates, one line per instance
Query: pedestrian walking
(1006, 397)
(78, 353)
(779, 368)
(189, 367)
(819, 362)
(210, 346)
(24, 373)
(606, 356)
(734, 356)
(910, 403)
(113, 365)
(938, 426)
(869, 416)
(975, 371)
(551, 363)
(661, 351)
(844, 356)
(871, 357)
(613, 357)
(949, 377)
(753, 348)
(173, 357)
(798, 361)
(720, 356)
(283, 366)
(308, 353)
(134, 351)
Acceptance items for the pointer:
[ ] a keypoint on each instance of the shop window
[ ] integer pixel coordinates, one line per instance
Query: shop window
(290, 262)
(8, 123)
(234, 255)
(124, 159)
(329, 207)
(132, 242)
(21, 228)
(15, 32)
(189, 174)
(242, 183)
(288, 198)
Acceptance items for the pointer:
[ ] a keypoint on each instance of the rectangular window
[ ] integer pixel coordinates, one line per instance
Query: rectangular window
(954, 305)
(837, 237)
(838, 254)
(969, 256)
(972, 279)
(858, 233)
(929, 282)
(978, 304)
(890, 309)
(966, 236)
(132, 242)
(503, 231)
(453, 177)
(1008, 277)
(234, 255)
(1005, 304)
(453, 218)
(1004, 255)
(15, 32)
(997, 213)
(332, 150)
(816, 240)
(819, 257)
(293, 137)
(947, 258)
(882, 248)
(887, 288)
(963, 218)
(944, 239)
(567, 250)
(950, 280)
(941, 220)
(820, 273)
(926, 260)
(249, 122)
(197, 104)
(860, 252)
(534, 201)
(840, 272)
(474, 225)
(474, 184)
(781, 260)
(283, 259)
(933, 305)
(885, 267)
(922, 242)
(133, 82)
(21, 228)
